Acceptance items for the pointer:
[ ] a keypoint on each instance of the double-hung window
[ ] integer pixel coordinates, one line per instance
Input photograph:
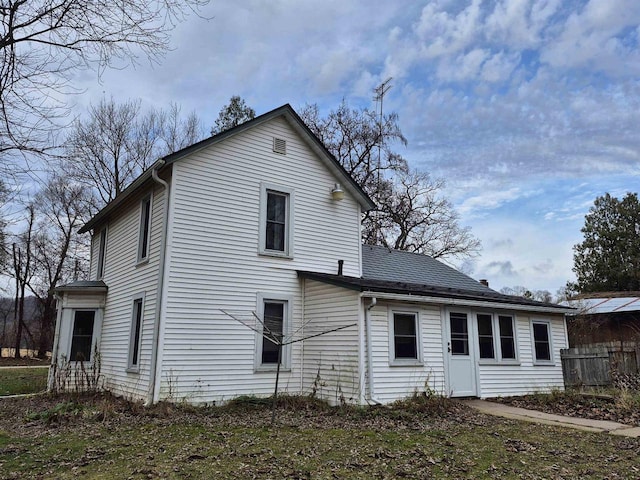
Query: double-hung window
(82, 336)
(145, 229)
(404, 341)
(542, 341)
(276, 221)
(135, 337)
(496, 337)
(274, 313)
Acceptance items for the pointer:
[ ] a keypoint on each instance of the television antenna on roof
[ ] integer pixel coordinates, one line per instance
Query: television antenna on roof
(380, 91)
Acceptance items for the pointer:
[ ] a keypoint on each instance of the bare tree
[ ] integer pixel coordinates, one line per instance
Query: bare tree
(117, 142)
(58, 252)
(43, 43)
(415, 217)
(23, 273)
(412, 213)
(359, 141)
(539, 295)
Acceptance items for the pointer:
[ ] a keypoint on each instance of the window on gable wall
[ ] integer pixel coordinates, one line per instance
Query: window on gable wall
(496, 338)
(102, 251)
(145, 229)
(82, 336)
(276, 221)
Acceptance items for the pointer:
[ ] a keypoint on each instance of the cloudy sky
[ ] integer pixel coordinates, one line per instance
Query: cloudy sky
(528, 109)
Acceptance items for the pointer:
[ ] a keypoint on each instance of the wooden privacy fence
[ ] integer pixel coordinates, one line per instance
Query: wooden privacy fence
(592, 365)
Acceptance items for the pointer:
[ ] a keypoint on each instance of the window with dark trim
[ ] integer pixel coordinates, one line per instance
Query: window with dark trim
(541, 341)
(102, 251)
(274, 313)
(145, 229)
(136, 334)
(82, 337)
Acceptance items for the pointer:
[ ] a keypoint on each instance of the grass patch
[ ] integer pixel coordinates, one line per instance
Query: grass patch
(97, 436)
(15, 381)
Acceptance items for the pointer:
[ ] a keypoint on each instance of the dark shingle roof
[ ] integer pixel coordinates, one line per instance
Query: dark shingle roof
(83, 285)
(405, 273)
(381, 263)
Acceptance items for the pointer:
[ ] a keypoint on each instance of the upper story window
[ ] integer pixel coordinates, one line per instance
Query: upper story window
(145, 229)
(276, 221)
(102, 252)
(541, 330)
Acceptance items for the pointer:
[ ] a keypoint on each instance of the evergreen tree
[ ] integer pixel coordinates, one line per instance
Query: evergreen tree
(608, 259)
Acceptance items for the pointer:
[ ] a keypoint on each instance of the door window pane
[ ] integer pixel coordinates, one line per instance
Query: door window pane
(459, 334)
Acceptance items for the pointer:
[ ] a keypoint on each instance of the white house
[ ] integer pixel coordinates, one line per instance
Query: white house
(260, 222)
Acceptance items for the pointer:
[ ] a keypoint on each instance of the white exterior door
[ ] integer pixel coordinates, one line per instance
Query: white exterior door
(461, 359)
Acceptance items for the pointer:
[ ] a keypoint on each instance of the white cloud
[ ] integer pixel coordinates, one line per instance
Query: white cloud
(488, 201)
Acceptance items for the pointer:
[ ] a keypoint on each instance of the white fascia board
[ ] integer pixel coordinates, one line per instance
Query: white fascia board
(467, 303)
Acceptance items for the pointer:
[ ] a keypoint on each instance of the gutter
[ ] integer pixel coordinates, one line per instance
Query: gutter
(367, 320)
(154, 372)
(467, 303)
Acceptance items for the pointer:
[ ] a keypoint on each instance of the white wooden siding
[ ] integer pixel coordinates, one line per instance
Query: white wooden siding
(214, 262)
(397, 382)
(505, 380)
(331, 361)
(125, 281)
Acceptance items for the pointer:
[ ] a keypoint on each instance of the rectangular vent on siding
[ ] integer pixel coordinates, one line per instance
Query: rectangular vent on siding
(280, 145)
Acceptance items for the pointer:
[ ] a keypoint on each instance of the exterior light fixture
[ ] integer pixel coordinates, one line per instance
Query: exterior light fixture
(337, 193)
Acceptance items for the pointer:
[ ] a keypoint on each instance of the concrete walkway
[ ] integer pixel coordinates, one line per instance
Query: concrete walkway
(588, 425)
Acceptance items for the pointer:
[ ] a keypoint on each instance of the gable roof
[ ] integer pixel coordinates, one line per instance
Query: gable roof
(412, 274)
(285, 111)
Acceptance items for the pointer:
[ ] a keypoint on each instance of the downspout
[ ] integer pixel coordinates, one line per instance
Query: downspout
(56, 346)
(153, 373)
(367, 321)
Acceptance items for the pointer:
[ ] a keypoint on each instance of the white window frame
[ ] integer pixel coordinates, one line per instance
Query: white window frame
(141, 245)
(103, 236)
(97, 328)
(497, 344)
(404, 362)
(287, 300)
(135, 367)
(534, 356)
(265, 188)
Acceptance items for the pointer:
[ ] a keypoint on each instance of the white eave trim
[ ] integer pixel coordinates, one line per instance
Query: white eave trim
(468, 303)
